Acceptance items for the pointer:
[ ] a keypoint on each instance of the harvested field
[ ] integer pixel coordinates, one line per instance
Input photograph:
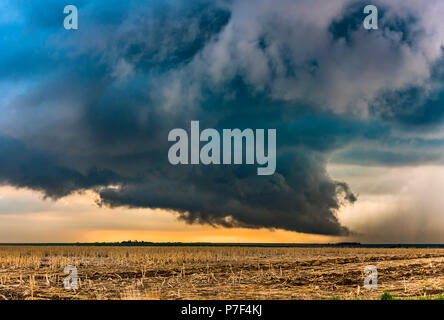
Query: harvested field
(34, 272)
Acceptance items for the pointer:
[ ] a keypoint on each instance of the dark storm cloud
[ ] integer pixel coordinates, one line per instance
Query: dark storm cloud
(94, 106)
(292, 199)
(23, 167)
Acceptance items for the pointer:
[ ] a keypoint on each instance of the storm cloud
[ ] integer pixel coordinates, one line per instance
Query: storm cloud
(92, 108)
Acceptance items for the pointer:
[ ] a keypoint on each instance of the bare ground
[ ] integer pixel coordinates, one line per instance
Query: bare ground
(218, 272)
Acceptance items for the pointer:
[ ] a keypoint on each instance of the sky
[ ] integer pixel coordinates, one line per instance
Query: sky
(85, 117)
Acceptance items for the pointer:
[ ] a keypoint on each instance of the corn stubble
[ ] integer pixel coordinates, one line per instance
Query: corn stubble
(33, 272)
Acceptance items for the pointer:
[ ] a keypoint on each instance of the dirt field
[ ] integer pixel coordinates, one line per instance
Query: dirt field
(218, 272)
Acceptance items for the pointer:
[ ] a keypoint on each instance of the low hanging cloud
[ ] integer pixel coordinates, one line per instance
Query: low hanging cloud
(94, 107)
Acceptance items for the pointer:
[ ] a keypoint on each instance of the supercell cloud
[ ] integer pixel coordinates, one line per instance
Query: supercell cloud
(92, 108)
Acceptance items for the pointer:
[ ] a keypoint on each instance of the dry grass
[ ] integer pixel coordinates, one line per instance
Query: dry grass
(217, 272)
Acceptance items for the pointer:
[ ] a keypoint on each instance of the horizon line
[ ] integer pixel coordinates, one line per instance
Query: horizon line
(221, 244)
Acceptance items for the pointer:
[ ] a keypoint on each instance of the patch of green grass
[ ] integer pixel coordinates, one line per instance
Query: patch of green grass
(386, 296)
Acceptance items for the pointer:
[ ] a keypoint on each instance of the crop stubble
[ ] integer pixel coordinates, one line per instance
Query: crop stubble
(36, 272)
